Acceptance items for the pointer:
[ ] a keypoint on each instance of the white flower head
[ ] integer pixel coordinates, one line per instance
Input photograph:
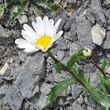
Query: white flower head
(87, 52)
(42, 37)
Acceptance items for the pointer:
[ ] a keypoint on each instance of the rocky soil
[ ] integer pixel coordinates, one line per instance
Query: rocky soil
(25, 78)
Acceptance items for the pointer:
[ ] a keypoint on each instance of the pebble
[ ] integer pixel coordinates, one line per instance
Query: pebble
(23, 19)
(76, 106)
(97, 12)
(108, 1)
(84, 32)
(98, 34)
(3, 32)
(106, 44)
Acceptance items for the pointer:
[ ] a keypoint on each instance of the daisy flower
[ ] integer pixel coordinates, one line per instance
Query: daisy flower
(41, 37)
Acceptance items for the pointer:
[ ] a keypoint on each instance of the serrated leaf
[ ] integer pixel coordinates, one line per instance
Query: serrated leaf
(75, 58)
(15, 1)
(53, 7)
(104, 82)
(104, 64)
(107, 82)
(21, 9)
(58, 89)
(36, 11)
(47, 5)
(2, 9)
(89, 79)
(57, 67)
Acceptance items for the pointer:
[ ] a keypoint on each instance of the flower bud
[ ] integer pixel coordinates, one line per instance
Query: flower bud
(87, 52)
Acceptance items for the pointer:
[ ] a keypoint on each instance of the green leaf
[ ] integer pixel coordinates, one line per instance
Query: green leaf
(52, 7)
(107, 82)
(75, 58)
(104, 64)
(47, 5)
(15, 1)
(58, 89)
(21, 9)
(89, 79)
(2, 9)
(57, 67)
(36, 10)
(104, 82)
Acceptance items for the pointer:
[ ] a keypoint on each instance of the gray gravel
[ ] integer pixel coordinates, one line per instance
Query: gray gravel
(29, 77)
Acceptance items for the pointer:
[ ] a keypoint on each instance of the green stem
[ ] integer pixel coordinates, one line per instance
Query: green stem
(70, 71)
(98, 68)
(87, 87)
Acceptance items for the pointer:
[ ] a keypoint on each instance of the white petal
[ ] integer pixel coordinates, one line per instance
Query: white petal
(46, 25)
(27, 37)
(29, 31)
(39, 19)
(57, 36)
(57, 23)
(31, 50)
(52, 28)
(52, 31)
(51, 22)
(40, 47)
(24, 44)
(38, 28)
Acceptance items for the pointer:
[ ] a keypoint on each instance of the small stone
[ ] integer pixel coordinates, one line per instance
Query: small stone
(73, 32)
(70, 20)
(90, 17)
(22, 55)
(2, 32)
(76, 106)
(23, 19)
(80, 99)
(62, 44)
(30, 10)
(39, 103)
(72, 1)
(3, 90)
(84, 32)
(29, 75)
(25, 106)
(63, 16)
(74, 47)
(108, 1)
(69, 98)
(75, 92)
(61, 101)
(89, 108)
(60, 55)
(26, 83)
(89, 68)
(14, 99)
(106, 44)
(97, 12)
(98, 34)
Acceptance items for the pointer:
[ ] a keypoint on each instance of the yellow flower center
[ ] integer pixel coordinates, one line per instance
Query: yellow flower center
(44, 41)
